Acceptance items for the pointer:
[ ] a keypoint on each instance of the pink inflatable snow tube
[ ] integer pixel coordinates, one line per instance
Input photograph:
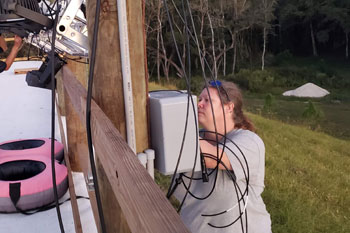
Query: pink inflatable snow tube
(40, 146)
(32, 176)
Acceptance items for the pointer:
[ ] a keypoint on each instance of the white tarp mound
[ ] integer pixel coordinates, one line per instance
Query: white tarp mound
(307, 90)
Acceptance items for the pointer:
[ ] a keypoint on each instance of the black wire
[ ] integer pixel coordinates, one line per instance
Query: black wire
(236, 186)
(216, 214)
(246, 174)
(186, 122)
(50, 9)
(226, 147)
(239, 198)
(205, 79)
(233, 178)
(188, 85)
(88, 116)
(53, 96)
(206, 86)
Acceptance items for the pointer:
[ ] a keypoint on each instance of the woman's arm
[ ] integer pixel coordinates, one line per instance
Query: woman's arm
(208, 148)
(13, 54)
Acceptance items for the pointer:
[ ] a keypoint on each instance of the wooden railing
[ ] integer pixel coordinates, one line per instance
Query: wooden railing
(142, 202)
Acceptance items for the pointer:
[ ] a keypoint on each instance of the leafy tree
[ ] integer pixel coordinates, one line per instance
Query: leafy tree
(337, 13)
(302, 12)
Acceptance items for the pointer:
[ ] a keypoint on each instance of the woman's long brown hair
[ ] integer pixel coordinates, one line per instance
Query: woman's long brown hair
(234, 94)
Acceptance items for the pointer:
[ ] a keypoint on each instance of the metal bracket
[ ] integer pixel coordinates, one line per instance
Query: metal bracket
(89, 182)
(71, 32)
(70, 18)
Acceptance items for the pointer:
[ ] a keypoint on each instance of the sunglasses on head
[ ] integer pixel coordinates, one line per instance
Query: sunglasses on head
(217, 84)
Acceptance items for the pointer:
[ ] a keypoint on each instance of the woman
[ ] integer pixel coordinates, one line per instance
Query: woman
(230, 200)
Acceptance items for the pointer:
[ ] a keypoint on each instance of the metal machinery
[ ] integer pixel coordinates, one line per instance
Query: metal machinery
(33, 20)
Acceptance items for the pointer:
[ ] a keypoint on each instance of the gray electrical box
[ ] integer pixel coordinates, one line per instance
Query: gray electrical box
(168, 117)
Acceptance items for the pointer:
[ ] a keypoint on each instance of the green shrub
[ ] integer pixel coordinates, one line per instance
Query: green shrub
(312, 112)
(197, 84)
(282, 58)
(240, 78)
(293, 76)
(255, 81)
(268, 103)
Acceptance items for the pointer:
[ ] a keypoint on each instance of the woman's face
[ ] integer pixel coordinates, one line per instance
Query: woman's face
(205, 115)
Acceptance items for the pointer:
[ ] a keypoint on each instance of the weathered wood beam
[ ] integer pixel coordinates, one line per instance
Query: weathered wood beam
(143, 203)
(76, 132)
(24, 71)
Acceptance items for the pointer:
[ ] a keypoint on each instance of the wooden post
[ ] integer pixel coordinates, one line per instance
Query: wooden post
(138, 72)
(108, 88)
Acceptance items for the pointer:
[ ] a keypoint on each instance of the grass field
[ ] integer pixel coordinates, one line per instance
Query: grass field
(335, 119)
(307, 178)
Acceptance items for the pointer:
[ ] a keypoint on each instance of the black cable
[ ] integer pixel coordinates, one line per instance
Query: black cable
(239, 198)
(203, 60)
(233, 178)
(53, 96)
(236, 186)
(232, 175)
(88, 116)
(239, 149)
(50, 9)
(188, 85)
(204, 76)
(193, 107)
(206, 86)
(246, 175)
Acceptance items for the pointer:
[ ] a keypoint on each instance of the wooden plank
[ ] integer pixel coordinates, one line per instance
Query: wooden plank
(73, 198)
(24, 59)
(138, 74)
(143, 203)
(7, 39)
(24, 71)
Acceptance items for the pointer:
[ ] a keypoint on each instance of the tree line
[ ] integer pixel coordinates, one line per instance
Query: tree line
(213, 37)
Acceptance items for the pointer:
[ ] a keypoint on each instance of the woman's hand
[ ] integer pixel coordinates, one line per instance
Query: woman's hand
(17, 41)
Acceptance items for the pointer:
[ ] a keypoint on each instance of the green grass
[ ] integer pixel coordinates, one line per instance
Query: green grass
(335, 120)
(153, 86)
(307, 178)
